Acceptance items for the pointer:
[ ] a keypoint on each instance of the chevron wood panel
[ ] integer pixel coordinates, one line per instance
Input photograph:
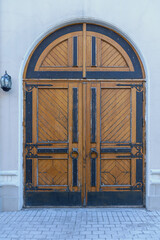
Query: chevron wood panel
(115, 172)
(110, 56)
(52, 172)
(52, 115)
(58, 56)
(115, 115)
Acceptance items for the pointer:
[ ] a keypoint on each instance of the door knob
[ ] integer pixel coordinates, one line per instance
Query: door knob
(93, 153)
(74, 153)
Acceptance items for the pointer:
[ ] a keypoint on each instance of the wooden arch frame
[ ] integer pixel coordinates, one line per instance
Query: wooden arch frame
(82, 94)
(134, 70)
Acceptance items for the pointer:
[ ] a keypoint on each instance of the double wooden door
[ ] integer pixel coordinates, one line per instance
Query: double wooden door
(83, 143)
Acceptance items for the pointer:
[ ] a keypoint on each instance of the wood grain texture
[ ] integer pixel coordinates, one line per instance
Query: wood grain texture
(115, 172)
(118, 61)
(84, 50)
(88, 51)
(58, 56)
(52, 115)
(84, 173)
(53, 172)
(110, 56)
(115, 115)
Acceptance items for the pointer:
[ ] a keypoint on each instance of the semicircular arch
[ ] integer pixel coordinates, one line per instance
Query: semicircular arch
(84, 51)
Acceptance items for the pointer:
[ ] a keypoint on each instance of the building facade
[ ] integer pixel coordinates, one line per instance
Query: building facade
(80, 125)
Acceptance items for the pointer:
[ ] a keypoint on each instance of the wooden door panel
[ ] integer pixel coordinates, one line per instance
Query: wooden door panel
(115, 172)
(115, 115)
(75, 137)
(53, 172)
(63, 54)
(104, 54)
(52, 115)
(110, 56)
(92, 138)
(120, 175)
(53, 167)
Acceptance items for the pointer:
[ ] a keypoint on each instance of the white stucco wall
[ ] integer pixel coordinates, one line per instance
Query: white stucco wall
(23, 23)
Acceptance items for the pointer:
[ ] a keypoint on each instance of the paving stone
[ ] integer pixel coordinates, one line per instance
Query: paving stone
(80, 224)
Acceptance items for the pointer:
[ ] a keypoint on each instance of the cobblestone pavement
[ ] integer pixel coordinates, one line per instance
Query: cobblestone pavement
(80, 223)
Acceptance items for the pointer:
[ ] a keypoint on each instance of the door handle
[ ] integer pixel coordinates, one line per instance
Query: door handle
(93, 153)
(74, 152)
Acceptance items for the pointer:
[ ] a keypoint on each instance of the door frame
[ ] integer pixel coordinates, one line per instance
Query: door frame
(144, 103)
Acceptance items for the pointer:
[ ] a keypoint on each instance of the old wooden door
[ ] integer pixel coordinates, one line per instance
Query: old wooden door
(83, 120)
(54, 144)
(114, 136)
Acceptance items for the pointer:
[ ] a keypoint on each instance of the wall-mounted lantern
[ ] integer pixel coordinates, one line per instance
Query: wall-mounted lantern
(6, 82)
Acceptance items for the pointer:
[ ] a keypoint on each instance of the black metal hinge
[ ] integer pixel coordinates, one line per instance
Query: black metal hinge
(139, 87)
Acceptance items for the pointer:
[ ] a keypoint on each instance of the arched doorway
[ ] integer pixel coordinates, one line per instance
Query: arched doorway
(84, 127)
